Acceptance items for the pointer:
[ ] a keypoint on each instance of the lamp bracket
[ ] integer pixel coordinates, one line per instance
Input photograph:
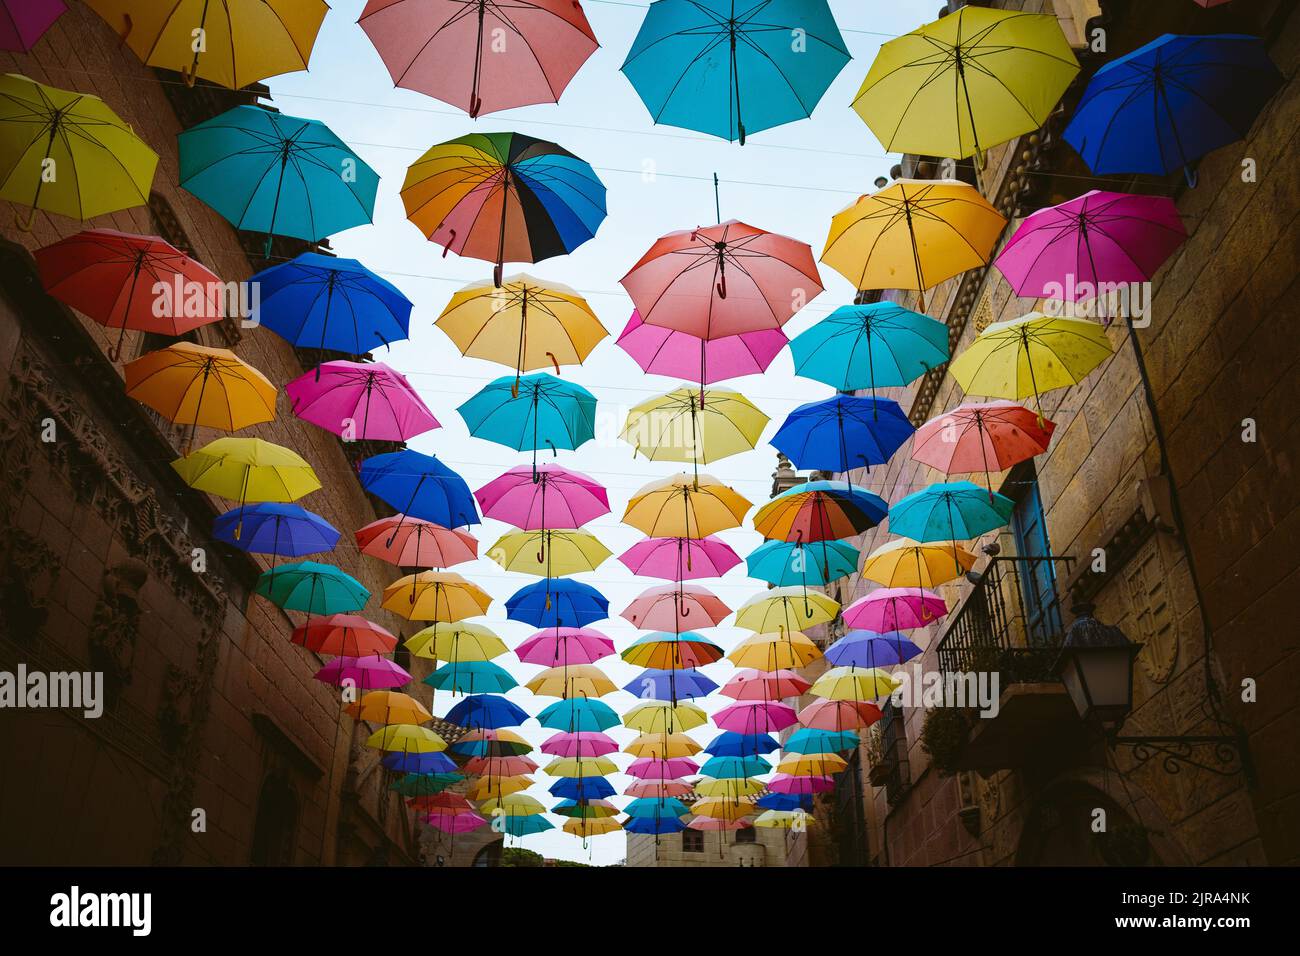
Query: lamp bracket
(1223, 755)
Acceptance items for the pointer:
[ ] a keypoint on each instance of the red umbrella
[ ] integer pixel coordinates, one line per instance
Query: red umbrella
(345, 635)
(987, 437)
(113, 277)
(676, 608)
(415, 543)
(481, 55)
(765, 685)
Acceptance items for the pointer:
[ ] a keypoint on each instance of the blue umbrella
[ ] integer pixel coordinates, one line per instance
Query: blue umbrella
(729, 69)
(582, 788)
(673, 685)
(269, 172)
(320, 302)
(472, 677)
(785, 801)
(731, 744)
(557, 602)
(273, 528)
(655, 825)
(843, 432)
(878, 345)
(419, 763)
(486, 712)
(735, 768)
(420, 486)
(532, 412)
(807, 740)
(869, 649)
(579, 715)
(1167, 104)
(786, 563)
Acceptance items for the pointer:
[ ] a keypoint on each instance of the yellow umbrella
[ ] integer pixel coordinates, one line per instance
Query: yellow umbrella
(195, 385)
(663, 746)
(774, 651)
(513, 804)
(728, 787)
(68, 153)
(811, 765)
(242, 41)
(1030, 355)
(685, 506)
(904, 563)
(724, 808)
(784, 819)
(854, 683)
(786, 609)
(965, 82)
(442, 596)
(247, 469)
(574, 680)
(459, 641)
(591, 826)
(523, 324)
(547, 553)
(388, 707)
(694, 424)
(913, 234)
(487, 786)
(580, 767)
(664, 718)
(406, 738)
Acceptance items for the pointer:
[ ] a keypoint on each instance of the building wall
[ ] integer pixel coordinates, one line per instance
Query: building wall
(770, 848)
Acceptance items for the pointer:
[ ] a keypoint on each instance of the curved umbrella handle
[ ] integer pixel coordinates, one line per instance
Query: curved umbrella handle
(126, 31)
(25, 225)
(554, 361)
(475, 105)
(722, 286)
(741, 127)
(189, 77)
(451, 237)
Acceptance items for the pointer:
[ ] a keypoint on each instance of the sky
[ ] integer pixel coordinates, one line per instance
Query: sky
(788, 180)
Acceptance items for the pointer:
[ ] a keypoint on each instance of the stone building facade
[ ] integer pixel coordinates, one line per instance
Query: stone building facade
(753, 846)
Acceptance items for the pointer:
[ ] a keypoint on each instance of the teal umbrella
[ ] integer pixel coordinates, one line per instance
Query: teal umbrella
(579, 715)
(788, 563)
(313, 587)
(879, 345)
(535, 411)
(425, 784)
(951, 511)
(472, 677)
(519, 826)
(809, 740)
(735, 768)
(654, 807)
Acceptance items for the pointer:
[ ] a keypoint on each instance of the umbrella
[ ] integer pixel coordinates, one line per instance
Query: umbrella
(764, 685)
(675, 608)
(504, 197)
(428, 763)
(728, 70)
(591, 826)
(344, 635)
(195, 385)
(785, 563)
(869, 649)
(578, 715)
(903, 563)
(532, 412)
(843, 432)
(694, 425)
(388, 707)
(419, 486)
(486, 712)
(784, 801)
(672, 651)
(312, 587)
(488, 786)
(416, 543)
(655, 717)
(968, 81)
(522, 324)
(494, 743)
(247, 469)
(516, 804)
(547, 496)
(1030, 355)
(272, 528)
(988, 437)
(913, 234)
(811, 765)
(112, 277)
(242, 42)
(725, 809)
(670, 685)
(680, 559)
(819, 511)
(809, 740)
(958, 510)
(102, 165)
(424, 784)
(786, 819)
(23, 22)
(663, 746)
(735, 767)
(574, 767)
(658, 789)
(456, 641)
(458, 52)
(663, 351)
(567, 645)
(360, 401)
(363, 673)
(277, 174)
(755, 717)
(660, 768)
(549, 553)
(654, 809)
(557, 603)
(450, 803)
(836, 715)
(853, 684)
(321, 302)
(524, 826)
(1071, 250)
(582, 788)
(895, 609)
(472, 677)
(786, 609)
(586, 809)
(442, 596)
(785, 784)
(731, 744)
(685, 506)
(871, 346)
(407, 738)
(723, 280)
(579, 745)
(500, 766)
(775, 651)
(1167, 104)
(449, 822)
(571, 680)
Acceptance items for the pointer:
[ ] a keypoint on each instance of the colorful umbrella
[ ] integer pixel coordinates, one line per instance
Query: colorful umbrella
(958, 510)
(344, 635)
(763, 686)
(843, 432)
(247, 469)
(780, 650)
(838, 716)
(442, 596)
(429, 763)
(312, 587)
(659, 768)
(585, 810)
(670, 685)
(895, 609)
(363, 673)
(571, 680)
(988, 437)
(655, 717)
(23, 22)
(788, 563)
(565, 645)
(472, 677)
(786, 609)
(729, 744)
(273, 528)
(547, 496)
(456, 641)
(853, 684)
(557, 603)
(672, 651)
(811, 765)
(504, 197)
(755, 717)
(675, 608)
(486, 712)
(407, 738)
(388, 707)
(500, 766)
(360, 401)
(532, 412)
(658, 789)
(786, 819)
(449, 822)
(416, 543)
(579, 745)
(591, 826)
(786, 784)
(549, 553)
(424, 784)
(195, 385)
(903, 563)
(419, 486)
(662, 351)
(819, 511)
(729, 70)
(680, 559)
(869, 649)
(579, 767)
(578, 715)
(809, 740)
(694, 425)
(685, 506)
(492, 743)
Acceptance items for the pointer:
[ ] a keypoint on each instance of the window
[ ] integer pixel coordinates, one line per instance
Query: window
(275, 829)
(692, 841)
(1037, 577)
(746, 835)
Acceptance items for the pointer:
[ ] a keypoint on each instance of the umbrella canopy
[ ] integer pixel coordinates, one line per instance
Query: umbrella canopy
(496, 786)
(419, 486)
(785, 801)
(661, 768)
(312, 587)
(783, 783)
(406, 738)
(361, 401)
(472, 677)
(786, 609)
(654, 825)
(23, 22)
(557, 603)
(988, 437)
(672, 651)
(786, 819)
(736, 767)
(755, 717)
(685, 506)
(344, 635)
(321, 302)
(853, 684)
(111, 277)
(776, 651)
(585, 809)
(695, 425)
(442, 596)
(788, 563)
(764, 686)
(913, 234)
(843, 432)
(729, 744)
(675, 608)
(730, 70)
(195, 385)
(968, 81)
(680, 559)
(247, 469)
(655, 809)
(663, 746)
(430, 763)
(456, 53)
(1167, 104)
(449, 822)
(102, 165)
(565, 645)
(277, 174)
(878, 345)
(516, 804)
(500, 766)
(655, 717)
(958, 510)
(903, 563)
(273, 528)
(579, 745)
(895, 609)
(363, 673)
(579, 715)
(458, 641)
(589, 827)
(658, 789)
(572, 680)
(547, 496)
(582, 788)
(820, 511)
(723, 810)
(549, 553)
(581, 767)
(424, 784)
(838, 716)
(495, 743)
(872, 650)
(532, 412)
(811, 765)
(670, 685)
(388, 707)
(486, 712)
(416, 543)
(664, 351)
(242, 42)
(504, 197)
(809, 740)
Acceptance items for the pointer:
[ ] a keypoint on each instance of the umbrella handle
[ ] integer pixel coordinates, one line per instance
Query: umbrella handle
(496, 274)
(554, 361)
(25, 225)
(451, 237)
(722, 286)
(126, 30)
(475, 106)
(189, 77)
(741, 128)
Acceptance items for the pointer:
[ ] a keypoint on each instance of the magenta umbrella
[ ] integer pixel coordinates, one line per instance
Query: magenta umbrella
(556, 498)
(680, 559)
(756, 717)
(1063, 252)
(449, 822)
(895, 609)
(676, 608)
(360, 400)
(365, 673)
(784, 783)
(654, 768)
(579, 744)
(664, 351)
(23, 22)
(556, 646)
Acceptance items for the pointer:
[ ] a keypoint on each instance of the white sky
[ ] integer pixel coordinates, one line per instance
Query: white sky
(788, 180)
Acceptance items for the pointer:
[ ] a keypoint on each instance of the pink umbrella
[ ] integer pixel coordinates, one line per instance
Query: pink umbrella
(457, 51)
(416, 543)
(764, 685)
(662, 351)
(658, 789)
(589, 744)
(723, 280)
(756, 717)
(839, 715)
(895, 609)
(365, 673)
(784, 783)
(23, 22)
(555, 499)
(676, 608)
(561, 646)
(653, 768)
(717, 823)
(449, 822)
(1064, 251)
(366, 401)
(987, 437)
(680, 559)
